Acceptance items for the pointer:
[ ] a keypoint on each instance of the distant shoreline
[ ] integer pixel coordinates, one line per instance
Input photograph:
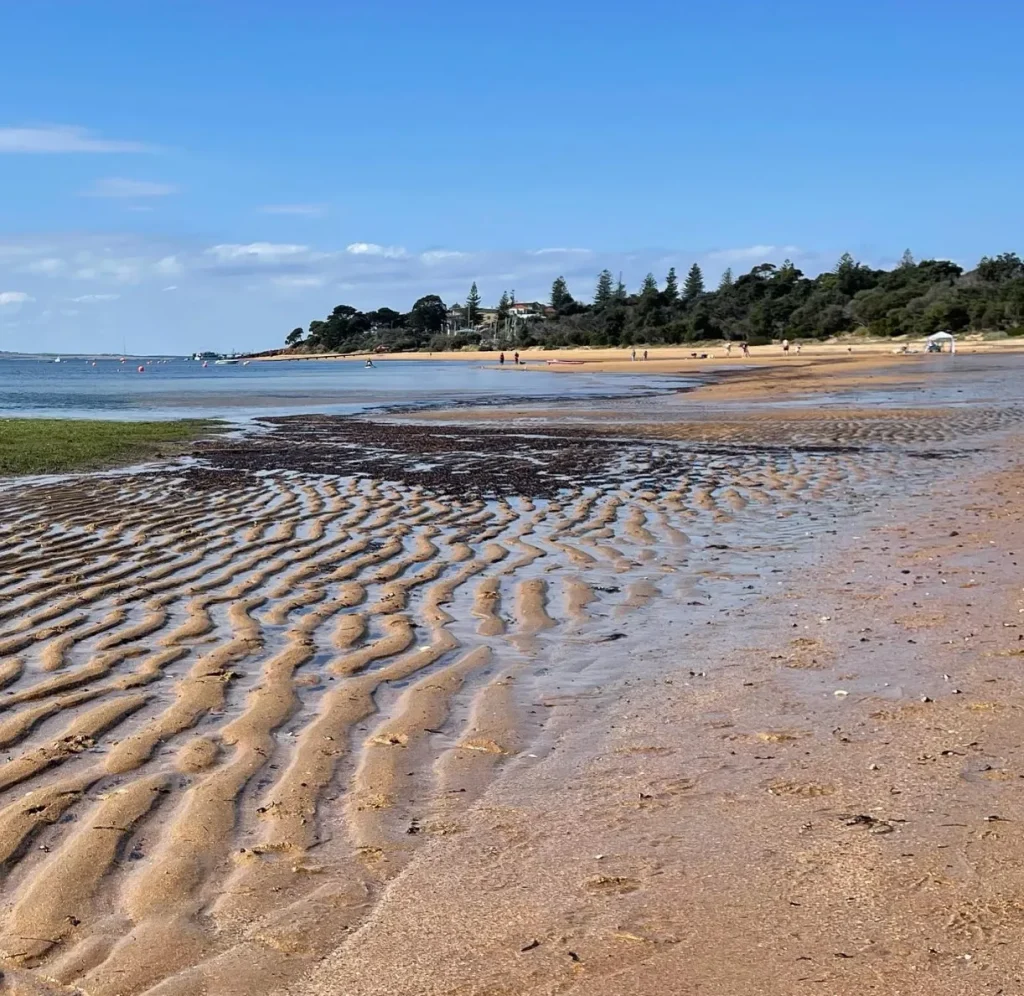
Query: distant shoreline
(671, 359)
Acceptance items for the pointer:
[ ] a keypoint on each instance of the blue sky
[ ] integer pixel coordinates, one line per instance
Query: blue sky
(210, 175)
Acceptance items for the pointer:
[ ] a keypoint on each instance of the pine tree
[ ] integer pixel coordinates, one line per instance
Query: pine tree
(671, 291)
(603, 294)
(649, 287)
(472, 306)
(726, 280)
(503, 313)
(560, 296)
(694, 286)
(620, 294)
(907, 260)
(846, 264)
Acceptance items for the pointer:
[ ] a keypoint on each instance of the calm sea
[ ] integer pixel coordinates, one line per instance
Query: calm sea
(180, 388)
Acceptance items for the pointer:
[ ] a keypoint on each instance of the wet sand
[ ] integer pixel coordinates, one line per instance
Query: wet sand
(378, 706)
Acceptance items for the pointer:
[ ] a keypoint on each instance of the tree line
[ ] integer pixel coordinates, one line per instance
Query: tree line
(768, 303)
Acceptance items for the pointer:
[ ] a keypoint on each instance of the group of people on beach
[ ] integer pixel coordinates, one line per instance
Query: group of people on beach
(515, 358)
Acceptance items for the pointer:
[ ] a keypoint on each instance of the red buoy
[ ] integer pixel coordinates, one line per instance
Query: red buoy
(142, 370)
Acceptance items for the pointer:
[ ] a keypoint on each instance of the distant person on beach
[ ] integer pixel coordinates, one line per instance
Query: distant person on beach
(728, 349)
(501, 359)
(369, 363)
(632, 356)
(645, 354)
(745, 347)
(515, 357)
(785, 345)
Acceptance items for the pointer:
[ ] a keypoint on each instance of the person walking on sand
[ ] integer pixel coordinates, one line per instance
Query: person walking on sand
(785, 346)
(515, 357)
(728, 349)
(645, 354)
(632, 356)
(745, 347)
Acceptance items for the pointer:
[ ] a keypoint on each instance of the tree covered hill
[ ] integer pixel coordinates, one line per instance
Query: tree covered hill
(769, 302)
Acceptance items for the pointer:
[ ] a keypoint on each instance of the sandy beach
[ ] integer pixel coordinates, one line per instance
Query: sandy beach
(711, 691)
(677, 359)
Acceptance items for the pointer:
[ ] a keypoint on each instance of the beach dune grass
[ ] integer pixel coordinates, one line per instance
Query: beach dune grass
(47, 446)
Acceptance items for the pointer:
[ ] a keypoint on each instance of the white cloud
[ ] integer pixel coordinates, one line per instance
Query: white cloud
(48, 266)
(268, 251)
(303, 210)
(93, 298)
(439, 255)
(263, 286)
(63, 138)
(558, 252)
(8, 298)
(168, 266)
(116, 186)
(299, 282)
(372, 249)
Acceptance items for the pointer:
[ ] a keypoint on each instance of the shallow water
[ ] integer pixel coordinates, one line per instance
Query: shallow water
(182, 388)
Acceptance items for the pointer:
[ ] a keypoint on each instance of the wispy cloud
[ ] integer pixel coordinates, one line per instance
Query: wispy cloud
(303, 210)
(95, 298)
(268, 251)
(168, 266)
(755, 254)
(114, 269)
(440, 255)
(48, 266)
(299, 283)
(64, 138)
(8, 298)
(116, 186)
(558, 252)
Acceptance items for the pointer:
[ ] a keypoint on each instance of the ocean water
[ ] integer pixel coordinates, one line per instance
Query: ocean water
(180, 388)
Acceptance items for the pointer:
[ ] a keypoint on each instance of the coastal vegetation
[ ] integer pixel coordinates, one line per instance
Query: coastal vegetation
(769, 302)
(46, 446)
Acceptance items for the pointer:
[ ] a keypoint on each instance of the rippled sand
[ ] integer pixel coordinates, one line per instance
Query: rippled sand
(241, 697)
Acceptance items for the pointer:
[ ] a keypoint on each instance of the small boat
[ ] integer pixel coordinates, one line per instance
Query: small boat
(225, 362)
(57, 360)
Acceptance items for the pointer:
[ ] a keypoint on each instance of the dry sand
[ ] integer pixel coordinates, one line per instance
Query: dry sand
(364, 707)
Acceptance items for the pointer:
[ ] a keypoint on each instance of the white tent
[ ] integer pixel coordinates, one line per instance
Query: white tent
(941, 338)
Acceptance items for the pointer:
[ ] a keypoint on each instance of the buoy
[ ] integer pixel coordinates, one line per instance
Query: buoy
(142, 370)
(205, 364)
